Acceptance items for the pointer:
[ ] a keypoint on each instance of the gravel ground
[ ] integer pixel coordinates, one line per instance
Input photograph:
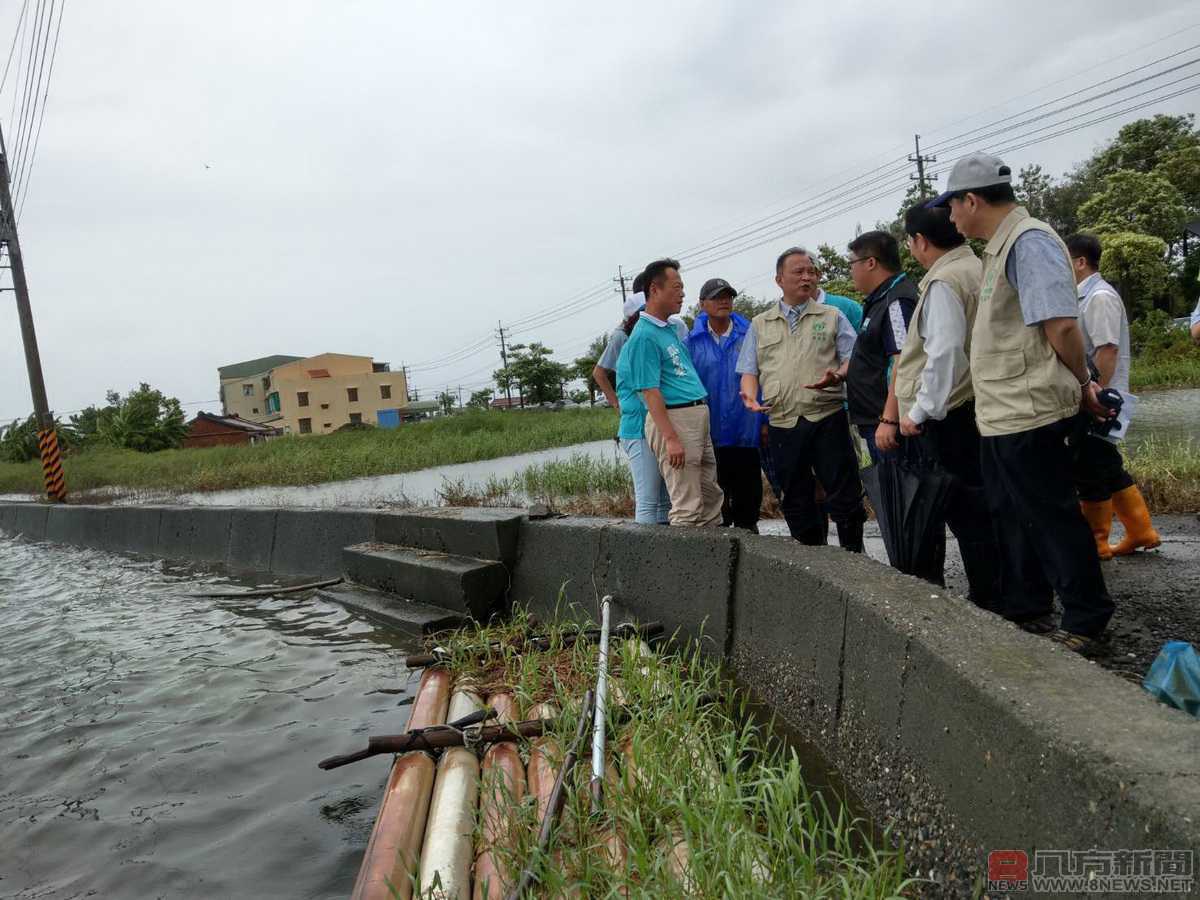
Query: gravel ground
(1157, 592)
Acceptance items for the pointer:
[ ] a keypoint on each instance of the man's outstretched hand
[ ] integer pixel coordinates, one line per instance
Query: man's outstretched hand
(831, 378)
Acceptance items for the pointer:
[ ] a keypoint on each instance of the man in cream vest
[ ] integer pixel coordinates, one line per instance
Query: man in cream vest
(796, 354)
(931, 395)
(1030, 378)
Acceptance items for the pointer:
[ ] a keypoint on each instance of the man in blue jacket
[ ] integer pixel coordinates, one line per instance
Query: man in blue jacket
(714, 344)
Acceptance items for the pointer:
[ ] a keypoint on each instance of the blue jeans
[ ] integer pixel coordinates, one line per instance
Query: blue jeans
(651, 502)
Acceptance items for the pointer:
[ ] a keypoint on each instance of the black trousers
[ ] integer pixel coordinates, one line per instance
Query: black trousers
(739, 474)
(1099, 469)
(1046, 545)
(823, 448)
(953, 444)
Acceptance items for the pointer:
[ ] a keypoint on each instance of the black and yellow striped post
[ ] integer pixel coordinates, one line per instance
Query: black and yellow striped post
(52, 469)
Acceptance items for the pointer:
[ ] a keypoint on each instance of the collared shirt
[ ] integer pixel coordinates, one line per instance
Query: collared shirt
(612, 350)
(943, 325)
(1103, 323)
(720, 338)
(747, 363)
(654, 357)
(1041, 274)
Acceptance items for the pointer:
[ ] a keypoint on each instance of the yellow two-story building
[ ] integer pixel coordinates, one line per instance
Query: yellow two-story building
(315, 394)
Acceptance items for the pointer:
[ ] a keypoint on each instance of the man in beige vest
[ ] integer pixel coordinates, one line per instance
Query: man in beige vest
(796, 354)
(1031, 382)
(932, 399)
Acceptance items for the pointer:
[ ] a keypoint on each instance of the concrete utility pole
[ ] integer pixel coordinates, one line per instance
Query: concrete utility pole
(922, 181)
(504, 360)
(56, 484)
(620, 279)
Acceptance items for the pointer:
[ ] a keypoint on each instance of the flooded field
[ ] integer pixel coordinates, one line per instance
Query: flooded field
(159, 745)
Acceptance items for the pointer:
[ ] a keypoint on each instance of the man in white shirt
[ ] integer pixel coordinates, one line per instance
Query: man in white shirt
(932, 397)
(1100, 477)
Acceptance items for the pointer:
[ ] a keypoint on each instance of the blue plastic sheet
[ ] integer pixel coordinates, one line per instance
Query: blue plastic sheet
(1174, 678)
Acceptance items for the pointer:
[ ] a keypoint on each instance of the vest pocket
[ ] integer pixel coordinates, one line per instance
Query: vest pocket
(1002, 386)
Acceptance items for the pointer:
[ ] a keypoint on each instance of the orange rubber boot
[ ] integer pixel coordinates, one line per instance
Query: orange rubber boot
(1139, 531)
(1099, 518)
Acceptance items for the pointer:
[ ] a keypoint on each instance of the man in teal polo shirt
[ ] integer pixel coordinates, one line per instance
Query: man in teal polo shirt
(655, 363)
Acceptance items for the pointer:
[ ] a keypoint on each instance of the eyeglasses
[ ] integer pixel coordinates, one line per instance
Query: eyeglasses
(860, 259)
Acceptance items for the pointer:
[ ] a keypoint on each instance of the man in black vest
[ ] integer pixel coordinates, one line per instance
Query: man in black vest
(891, 298)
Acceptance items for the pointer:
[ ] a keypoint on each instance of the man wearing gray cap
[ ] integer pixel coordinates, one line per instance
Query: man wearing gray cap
(1031, 382)
(714, 344)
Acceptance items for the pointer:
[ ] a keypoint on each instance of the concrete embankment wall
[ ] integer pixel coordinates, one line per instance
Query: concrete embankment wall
(962, 732)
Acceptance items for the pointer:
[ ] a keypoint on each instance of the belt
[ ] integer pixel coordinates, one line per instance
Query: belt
(686, 405)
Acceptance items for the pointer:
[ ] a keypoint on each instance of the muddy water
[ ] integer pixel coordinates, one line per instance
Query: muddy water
(420, 488)
(156, 745)
(1167, 415)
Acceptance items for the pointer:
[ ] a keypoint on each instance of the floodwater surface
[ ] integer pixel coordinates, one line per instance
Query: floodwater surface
(154, 744)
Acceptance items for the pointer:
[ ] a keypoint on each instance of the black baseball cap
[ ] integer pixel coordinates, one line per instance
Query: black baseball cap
(714, 287)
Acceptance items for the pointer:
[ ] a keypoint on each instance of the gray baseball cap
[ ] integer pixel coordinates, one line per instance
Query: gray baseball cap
(715, 287)
(975, 170)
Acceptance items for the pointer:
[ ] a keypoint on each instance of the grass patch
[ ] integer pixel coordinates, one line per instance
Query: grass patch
(1167, 472)
(1160, 372)
(703, 803)
(334, 457)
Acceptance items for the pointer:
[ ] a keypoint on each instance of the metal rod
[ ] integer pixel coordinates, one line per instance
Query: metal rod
(601, 703)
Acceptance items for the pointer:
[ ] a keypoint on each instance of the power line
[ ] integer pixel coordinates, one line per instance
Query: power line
(855, 192)
(24, 188)
(25, 115)
(12, 49)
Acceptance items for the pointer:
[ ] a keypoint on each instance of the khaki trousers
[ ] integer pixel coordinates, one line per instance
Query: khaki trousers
(695, 496)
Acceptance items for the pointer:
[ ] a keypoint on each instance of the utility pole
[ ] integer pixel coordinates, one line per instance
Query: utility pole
(56, 485)
(504, 360)
(620, 279)
(922, 181)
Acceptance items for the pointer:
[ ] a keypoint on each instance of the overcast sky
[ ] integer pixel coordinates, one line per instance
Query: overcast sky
(226, 180)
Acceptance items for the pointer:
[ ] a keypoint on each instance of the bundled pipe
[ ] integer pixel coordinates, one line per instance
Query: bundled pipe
(447, 853)
(558, 797)
(400, 826)
(503, 787)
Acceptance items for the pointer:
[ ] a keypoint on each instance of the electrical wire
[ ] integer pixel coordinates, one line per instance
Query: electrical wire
(24, 188)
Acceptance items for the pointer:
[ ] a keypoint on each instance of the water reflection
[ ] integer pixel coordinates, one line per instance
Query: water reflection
(157, 744)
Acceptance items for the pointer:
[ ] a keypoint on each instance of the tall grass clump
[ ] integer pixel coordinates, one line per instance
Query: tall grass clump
(701, 801)
(295, 460)
(1167, 472)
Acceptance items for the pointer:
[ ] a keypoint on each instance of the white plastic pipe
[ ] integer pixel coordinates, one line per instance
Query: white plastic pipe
(601, 704)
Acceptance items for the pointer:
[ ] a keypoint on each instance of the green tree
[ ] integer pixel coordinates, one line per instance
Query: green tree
(1145, 202)
(1032, 189)
(481, 399)
(750, 306)
(144, 420)
(833, 265)
(446, 401)
(19, 440)
(1135, 264)
(1142, 145)
(582, 367)
(530, 367)
(1182, 168)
